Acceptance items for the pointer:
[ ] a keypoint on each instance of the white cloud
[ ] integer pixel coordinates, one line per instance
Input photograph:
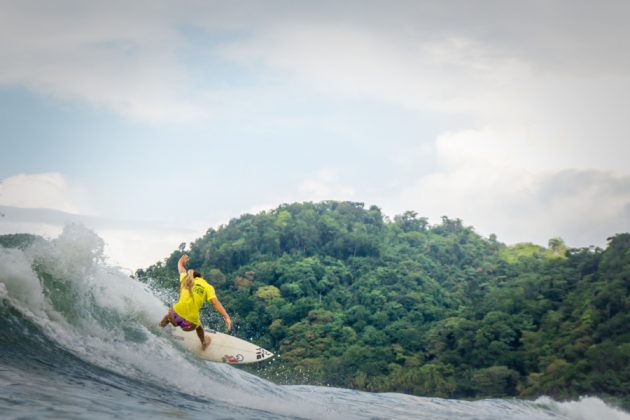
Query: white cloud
(576, 119)
(325, 185)
(480, 62)
(121, 58)
(348, 59)
(516, 184)
(43, 204)
(258, 208)
(545, 151)
(583, 207)
(510, 148)
(140, 248)
(47, 190)
(129, 244)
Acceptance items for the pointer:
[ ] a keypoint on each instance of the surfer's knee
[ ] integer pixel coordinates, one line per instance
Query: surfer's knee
(166, 320)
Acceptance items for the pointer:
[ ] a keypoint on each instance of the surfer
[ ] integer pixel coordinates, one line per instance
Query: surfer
(194, 290)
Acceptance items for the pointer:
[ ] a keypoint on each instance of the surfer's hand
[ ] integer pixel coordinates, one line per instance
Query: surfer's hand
(228, 323)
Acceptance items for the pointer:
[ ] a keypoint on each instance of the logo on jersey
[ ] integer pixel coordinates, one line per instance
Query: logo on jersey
(198, 290)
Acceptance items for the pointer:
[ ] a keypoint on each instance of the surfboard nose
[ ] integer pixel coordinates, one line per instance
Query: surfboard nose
(262, 354)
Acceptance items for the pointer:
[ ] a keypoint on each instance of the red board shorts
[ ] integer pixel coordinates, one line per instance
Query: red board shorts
(181, 322)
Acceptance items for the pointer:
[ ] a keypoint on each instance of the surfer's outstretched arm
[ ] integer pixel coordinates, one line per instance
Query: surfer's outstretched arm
(181, 264)
(220, 309)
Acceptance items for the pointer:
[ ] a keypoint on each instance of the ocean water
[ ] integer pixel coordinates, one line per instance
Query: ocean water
(80, 340)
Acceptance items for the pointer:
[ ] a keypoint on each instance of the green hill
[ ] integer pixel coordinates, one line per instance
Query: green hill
(349, 298)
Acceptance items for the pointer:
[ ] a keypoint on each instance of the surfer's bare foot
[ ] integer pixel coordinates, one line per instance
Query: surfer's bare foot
(206, 343)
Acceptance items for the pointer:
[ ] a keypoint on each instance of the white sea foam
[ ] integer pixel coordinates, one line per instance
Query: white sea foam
(586, 408)
(19, 280)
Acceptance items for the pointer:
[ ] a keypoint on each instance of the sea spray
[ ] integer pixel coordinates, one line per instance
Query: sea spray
(585, 408)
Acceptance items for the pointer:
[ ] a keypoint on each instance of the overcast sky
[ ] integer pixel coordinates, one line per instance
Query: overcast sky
(160, 119)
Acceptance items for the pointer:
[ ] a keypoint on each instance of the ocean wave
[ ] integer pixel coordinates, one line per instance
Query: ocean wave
(81, 340)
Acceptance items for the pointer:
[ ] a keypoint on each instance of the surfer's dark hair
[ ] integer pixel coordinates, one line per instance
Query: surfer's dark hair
(196, 274)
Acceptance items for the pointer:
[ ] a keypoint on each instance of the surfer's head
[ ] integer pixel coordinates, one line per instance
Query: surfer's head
(189, 281)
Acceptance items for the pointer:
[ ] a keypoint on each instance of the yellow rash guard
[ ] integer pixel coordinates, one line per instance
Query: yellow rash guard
(188, 306)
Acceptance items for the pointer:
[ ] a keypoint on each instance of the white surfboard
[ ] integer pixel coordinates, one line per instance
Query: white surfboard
(223, 348)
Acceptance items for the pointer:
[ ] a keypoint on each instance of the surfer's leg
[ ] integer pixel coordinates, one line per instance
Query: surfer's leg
(167, 318)
(205, 339)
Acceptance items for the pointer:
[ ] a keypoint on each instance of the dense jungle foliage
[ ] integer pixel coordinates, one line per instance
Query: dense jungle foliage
(349, 298)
